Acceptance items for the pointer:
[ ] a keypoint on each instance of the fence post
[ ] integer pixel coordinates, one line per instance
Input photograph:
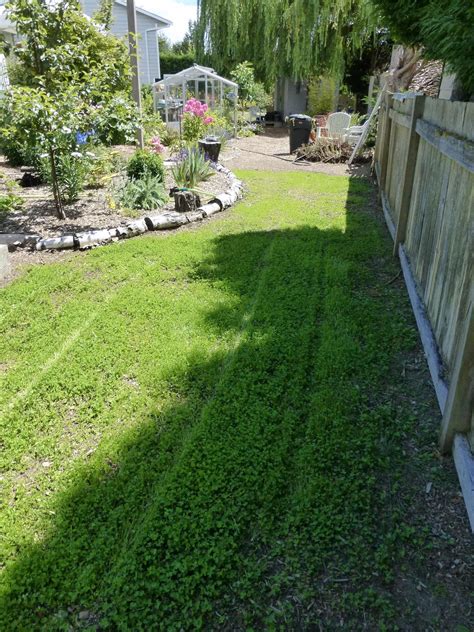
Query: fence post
(409, 172)
(458, 409)
(385, 141)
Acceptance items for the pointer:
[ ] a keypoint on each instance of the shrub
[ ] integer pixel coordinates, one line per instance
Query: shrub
(104, 164)
(444, 30)
(171, 63)
(156, 145)
(196, 120)
(192, 169)
(145, 193)
(10, 202)
(73, 78)
(144, 163)
(322, 95)
(115, 119)
(251, 92)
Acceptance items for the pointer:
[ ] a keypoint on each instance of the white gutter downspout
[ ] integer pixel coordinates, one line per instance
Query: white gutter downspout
(155, 29)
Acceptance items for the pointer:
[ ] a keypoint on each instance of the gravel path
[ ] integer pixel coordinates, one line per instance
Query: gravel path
(270, 152)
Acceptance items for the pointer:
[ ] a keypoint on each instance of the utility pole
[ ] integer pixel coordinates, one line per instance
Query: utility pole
(132, 45)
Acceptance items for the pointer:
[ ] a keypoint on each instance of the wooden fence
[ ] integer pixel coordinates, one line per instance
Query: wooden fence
(424, 161)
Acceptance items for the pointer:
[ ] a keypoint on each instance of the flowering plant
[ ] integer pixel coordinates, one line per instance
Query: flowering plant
(195, 119)
(156, 145)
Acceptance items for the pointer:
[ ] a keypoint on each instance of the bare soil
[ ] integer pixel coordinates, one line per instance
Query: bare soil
(93, 210)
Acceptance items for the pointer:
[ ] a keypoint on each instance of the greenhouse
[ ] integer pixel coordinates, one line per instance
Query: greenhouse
(172, 92)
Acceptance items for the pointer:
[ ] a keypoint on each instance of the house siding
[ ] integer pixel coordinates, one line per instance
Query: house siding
(149, 65)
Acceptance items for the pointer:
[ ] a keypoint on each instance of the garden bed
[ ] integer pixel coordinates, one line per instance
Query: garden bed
(92, 211)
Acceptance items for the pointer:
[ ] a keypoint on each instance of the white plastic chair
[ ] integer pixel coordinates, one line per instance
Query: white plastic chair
(352, 134)
(337, 124)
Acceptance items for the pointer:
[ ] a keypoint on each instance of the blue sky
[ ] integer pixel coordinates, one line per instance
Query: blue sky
(178, 11)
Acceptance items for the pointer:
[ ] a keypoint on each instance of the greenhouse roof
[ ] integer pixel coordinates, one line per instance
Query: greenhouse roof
(194, 73)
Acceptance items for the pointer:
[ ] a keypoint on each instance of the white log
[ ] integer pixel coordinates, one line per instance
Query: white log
(165, 220)
(55, 243)
(195, 216)
(136, 227)
(210, 209)
(95, 237)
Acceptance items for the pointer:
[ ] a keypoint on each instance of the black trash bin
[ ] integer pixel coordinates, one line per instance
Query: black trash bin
(299, 129)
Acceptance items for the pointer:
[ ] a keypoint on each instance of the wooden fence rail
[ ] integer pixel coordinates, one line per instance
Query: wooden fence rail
(424, 162)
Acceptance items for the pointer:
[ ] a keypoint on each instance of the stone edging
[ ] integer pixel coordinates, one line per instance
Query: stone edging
(158, 221)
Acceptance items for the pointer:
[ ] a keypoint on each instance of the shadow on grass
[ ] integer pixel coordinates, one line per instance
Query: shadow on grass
(233, 508)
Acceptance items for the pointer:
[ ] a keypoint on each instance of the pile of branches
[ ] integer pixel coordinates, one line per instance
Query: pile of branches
(326, 150)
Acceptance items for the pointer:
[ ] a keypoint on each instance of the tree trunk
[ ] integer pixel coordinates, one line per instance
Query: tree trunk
(405, 63)
(186, 201)
(56, 192)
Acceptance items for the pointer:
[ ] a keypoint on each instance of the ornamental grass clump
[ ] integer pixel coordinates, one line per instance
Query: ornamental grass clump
(192, 169)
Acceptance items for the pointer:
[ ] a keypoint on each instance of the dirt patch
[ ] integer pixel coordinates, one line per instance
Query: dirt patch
(92, 211)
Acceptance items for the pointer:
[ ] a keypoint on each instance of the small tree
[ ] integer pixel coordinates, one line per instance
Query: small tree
(73, 78)
(251, 92)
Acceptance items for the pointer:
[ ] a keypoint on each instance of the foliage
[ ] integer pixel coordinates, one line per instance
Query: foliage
(114, 119)
(170, 138)
(104, 164)
(192, 168)
(171, 63)
(186, 45)
(71, 173)
(222, 125)
(10, 202)
(444, 30)
(283, 37)
(9, 198)
(251, 92)
(372, 59)
(209, 440)
(144, 193)
(47, 130)
(326, 150)
(153, 125)
(322, 95)
(60, 45)
(103, 15)
(145, 163)
(74, 81)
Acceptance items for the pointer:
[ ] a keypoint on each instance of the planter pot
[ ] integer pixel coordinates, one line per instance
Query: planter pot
(211, 148)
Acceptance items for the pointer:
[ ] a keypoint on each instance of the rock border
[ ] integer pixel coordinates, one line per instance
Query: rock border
(159, 221)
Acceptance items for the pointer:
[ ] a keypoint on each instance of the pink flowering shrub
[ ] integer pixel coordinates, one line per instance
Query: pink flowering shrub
(195, 119)
(196, 107)
(156, 145)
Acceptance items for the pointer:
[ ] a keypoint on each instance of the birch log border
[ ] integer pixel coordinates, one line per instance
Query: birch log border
(158, 221)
